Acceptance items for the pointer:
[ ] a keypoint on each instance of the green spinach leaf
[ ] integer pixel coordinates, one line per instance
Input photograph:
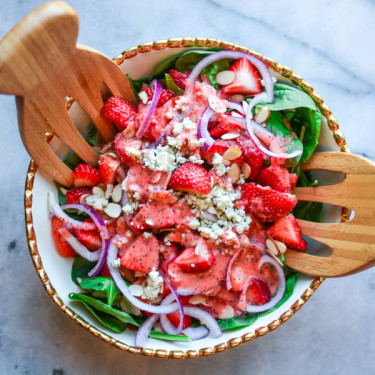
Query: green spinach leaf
(164, 65)
(165, 336)
(105, 284)
(237, 322)
(80, 269)
(172, 86)
(211, 70)
(137, 84)
(189, 59)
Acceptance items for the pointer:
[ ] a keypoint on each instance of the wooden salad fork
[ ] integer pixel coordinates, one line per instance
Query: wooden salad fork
(41, 64)
(352, 242)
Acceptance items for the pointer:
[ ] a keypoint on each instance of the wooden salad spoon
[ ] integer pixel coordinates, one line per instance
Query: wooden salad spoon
(41, 64)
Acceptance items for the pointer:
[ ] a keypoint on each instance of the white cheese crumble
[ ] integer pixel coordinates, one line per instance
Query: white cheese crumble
(161, 158)
(218, 164)
(154, 286)
(196, 159)
(147, 234)
(115, 263)
(129, 208)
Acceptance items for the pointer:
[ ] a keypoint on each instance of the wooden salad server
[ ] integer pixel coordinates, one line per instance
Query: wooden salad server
(41, 64)
(352, 242)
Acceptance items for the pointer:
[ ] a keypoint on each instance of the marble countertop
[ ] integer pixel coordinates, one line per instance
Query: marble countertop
(329, 43)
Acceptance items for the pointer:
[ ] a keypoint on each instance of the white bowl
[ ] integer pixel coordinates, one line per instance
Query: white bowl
(54, 270)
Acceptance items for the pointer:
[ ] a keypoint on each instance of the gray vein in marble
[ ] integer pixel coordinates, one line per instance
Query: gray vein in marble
(345, 89)
(303, 44)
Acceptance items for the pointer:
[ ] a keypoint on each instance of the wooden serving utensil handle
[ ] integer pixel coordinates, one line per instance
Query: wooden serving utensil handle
(352, 242)
(41, 64)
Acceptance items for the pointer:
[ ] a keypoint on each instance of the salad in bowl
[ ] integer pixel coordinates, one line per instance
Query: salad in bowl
(176, 238)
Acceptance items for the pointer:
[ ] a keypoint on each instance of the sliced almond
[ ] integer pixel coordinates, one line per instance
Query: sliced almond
(281, 246)
(117, 193)
(63, 190)
(108, 191)
(155, 178)
(232, 153)
(275, 257)
(113, 210)
(105, 149)
(262, 115)
(225, 77)
(238, 98)
(272, 247)
(246, 170)
(82, 198)
(227, 312)
(99, 192)
(226, 162)
(197, 299)
(234, 172)
(227, 136)
(236, 114)
(245, 105)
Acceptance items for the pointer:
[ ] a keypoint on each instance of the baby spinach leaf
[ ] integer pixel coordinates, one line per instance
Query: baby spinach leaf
(104, 308)
(137, 84)
(189, 59)
(80, 269)
(211, 70)
(165, 336)
(237, 322)
(105, 284)
(62, 200)
(172, 86)
(164, 65)
(288, 97)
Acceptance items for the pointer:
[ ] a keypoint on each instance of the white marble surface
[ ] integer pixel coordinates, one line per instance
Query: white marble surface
(331, 44)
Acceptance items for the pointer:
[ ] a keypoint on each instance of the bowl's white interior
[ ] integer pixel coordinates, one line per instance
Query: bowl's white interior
(58, 268)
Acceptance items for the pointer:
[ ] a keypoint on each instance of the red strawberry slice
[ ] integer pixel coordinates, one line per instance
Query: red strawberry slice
(107, 169)
(169, 252)
(251, 155)
(89, 238)
(195, 259)
(191, 178)
(153, 215)
(178, 78)
(142, 254)
(62, 247)
(105, 271)
(175, 317)
(247, 80)
(119, 110)
(73, 195)
(165, 95)
(293, 180)
(275, 177)
(85, 175)
(219, 147)
(122, 145)
(223, 127)
(258, 292)
(288, 231)
(266, 204)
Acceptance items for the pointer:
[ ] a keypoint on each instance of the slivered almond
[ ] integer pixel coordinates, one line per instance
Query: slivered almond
(262, 115)
(234, 172)
(245, 105)
(226, 162)
(63, 190)
(225, 77)
(246, 170)
(117, 193)
(272, 247)
(232, 153)
(109, 190)
(238, 98)
(197, 299)
(227, 136)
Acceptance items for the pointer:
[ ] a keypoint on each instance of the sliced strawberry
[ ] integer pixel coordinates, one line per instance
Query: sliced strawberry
(105, 271)
(169, 252)
(266, 204)
(119, 110)
(178, 78)
(175, 317)
(191, 178)
(89, 238)
(288, 231)
(123, 146)
(195, 259)
(85, 175)
(73, 195)
(107, 169)
(142, 254)
(251, 155)
(219, 147)
(258, 292)
(275, 177)
(246, 81)
(165, 95)
(62, 247)
(293, 180)
(223, 127)
(153, 215)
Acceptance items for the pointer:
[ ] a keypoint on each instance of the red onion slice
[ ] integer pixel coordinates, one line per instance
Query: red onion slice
(173, 296)
(262, 68)
(206, 318)
(228, 283)
(96, 218)
(102, 259)
(67, 220)
(146, 122)
(144, 331)
(120, 283)
(280, 291)
(203, 129)
(196, 333)
(236, 106)
(80, 249)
